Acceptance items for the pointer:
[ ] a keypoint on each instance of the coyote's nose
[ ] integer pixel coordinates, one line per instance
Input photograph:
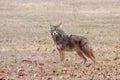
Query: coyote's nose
(55, 33)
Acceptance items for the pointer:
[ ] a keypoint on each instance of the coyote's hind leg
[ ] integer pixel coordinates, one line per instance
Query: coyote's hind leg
(88, 52)
(80, 53)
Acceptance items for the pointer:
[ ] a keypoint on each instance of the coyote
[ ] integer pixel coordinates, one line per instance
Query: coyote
(66, 42)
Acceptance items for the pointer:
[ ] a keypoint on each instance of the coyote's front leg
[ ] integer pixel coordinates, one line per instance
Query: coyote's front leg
(62, 55)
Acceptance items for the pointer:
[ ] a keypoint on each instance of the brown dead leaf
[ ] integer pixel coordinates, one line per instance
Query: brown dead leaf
(46, 49)
(88, 65)
(98, 69)
(27, 61)
(117, 46)
(73, 75)
(106, 75)
(64, 70)
(108, 78)
(49, 78)
(54, 50)
(83, 72)
(2, 79)
(116, 58)
(2, 71)
(87, 32)
(54, 71)
(38, 49)
(41, 64)
(21, 73)
(42, 70)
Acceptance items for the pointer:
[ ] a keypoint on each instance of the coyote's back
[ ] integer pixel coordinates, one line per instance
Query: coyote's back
(76, 43)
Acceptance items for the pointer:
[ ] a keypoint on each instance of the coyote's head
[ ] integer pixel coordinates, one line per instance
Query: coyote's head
(56, 31)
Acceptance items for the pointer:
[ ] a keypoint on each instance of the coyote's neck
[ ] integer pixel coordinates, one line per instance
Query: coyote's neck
(61, 40)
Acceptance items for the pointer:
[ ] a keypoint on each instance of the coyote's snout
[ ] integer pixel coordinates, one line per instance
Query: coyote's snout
(76, 43)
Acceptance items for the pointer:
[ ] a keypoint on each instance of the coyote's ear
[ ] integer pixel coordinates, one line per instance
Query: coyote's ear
(60, 26)
(51, 27)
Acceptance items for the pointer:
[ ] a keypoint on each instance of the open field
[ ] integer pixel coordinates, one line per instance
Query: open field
(26, 47)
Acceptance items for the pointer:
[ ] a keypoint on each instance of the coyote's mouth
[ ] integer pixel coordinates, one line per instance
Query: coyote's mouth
(57, 38)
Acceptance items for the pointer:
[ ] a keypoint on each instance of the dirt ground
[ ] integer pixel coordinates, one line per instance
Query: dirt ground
(26, 47)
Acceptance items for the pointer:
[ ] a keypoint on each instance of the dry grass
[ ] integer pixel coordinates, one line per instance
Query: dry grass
(26, 48)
